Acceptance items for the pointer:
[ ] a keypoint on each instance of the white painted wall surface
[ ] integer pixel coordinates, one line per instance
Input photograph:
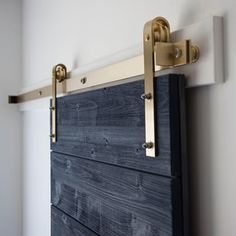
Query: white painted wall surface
(79, 32)
(10, 137)
(36, 173)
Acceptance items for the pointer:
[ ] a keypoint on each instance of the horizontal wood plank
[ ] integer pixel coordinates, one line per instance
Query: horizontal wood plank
(64, 225)
(116, 201)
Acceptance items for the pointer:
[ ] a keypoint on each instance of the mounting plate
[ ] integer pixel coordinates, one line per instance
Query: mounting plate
(208, 35)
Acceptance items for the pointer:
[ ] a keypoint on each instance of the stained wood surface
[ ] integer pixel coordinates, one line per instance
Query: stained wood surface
(64, 225)
(107, 125)
(112, 200)
(101, 178)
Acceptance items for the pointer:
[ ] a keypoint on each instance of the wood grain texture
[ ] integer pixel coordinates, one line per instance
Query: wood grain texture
(107, 125)
(64, 225)
(101, 177)
(116, 201)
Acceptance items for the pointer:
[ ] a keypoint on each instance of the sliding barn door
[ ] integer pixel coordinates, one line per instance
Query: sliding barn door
(102, 182)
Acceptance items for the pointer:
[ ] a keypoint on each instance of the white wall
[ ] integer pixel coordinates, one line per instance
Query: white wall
(36, 173)
(10, 139)
(78, 32)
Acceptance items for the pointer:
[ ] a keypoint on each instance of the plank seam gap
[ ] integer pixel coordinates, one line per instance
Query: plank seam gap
(74, 218)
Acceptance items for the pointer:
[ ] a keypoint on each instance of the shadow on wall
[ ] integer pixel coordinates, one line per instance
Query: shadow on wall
(200, 146)
(199, 157)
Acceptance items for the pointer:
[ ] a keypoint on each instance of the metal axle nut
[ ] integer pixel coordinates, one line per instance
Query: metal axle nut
(148, 145)
(147, 96)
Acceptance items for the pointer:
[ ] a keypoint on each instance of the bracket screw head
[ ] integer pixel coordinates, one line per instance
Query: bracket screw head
(147, 145)
(83, 80)
(178, 53)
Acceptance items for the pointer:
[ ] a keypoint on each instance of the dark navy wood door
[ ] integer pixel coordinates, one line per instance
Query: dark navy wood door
(102, 183)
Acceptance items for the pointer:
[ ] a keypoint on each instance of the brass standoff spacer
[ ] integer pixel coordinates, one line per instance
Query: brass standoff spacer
(83, 80)
(195, 53)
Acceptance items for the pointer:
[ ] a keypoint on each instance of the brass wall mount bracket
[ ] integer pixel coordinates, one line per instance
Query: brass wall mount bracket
(159, 51)
(59, 74)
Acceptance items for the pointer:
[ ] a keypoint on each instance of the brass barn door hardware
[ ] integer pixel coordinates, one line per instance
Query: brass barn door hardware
(59, 74)
(161, 52)
(158, 50)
